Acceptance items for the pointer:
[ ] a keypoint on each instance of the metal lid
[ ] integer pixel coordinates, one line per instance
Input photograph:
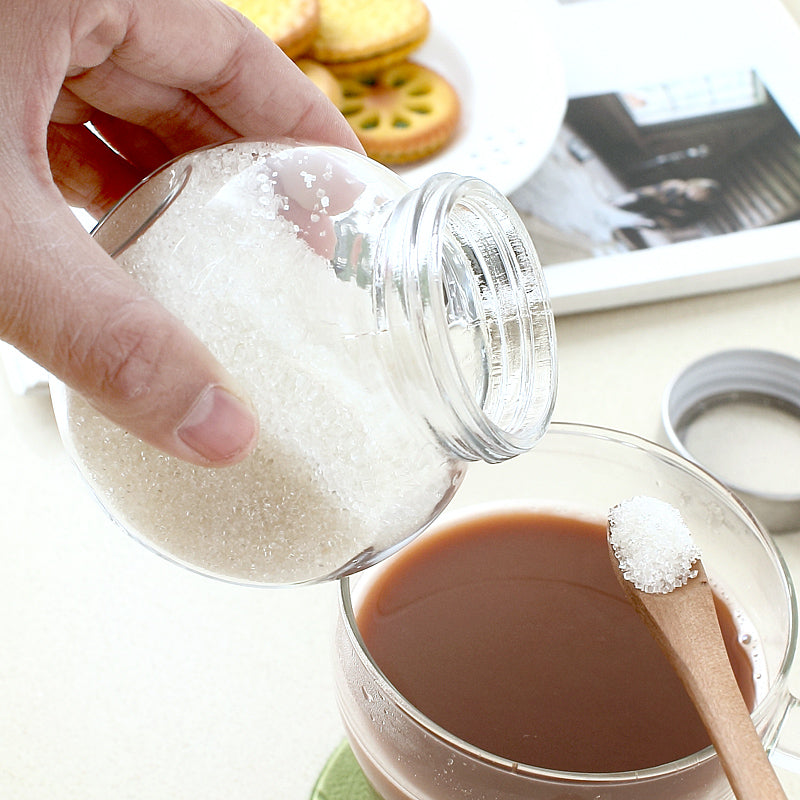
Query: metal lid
(736, 414)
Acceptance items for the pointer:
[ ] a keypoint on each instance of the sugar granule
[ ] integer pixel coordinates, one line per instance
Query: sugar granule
(653, 545)
(339, 468)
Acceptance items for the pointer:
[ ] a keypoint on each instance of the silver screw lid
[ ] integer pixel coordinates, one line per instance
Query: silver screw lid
(736, 414)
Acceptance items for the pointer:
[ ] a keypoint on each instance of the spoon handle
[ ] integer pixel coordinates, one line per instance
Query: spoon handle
(701, 661)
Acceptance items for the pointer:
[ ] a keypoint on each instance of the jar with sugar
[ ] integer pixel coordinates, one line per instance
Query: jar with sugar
(387, 336)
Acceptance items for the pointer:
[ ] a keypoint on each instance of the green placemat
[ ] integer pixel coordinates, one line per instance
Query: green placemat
(342, 779)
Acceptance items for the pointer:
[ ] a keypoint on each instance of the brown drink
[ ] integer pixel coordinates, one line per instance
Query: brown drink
(510, 631)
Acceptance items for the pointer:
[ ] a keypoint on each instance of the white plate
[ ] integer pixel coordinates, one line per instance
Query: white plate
(502, 60)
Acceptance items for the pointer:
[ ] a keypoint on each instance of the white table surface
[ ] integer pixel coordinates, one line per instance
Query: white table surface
(124, 676)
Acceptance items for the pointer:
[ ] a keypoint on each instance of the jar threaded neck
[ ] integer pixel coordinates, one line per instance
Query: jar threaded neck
(462, 294)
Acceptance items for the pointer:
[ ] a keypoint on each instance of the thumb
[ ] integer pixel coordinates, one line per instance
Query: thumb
(67, 305)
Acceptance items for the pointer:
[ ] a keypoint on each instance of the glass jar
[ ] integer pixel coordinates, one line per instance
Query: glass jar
(386, 336)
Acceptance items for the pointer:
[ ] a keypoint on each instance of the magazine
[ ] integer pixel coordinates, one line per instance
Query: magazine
(677, 167)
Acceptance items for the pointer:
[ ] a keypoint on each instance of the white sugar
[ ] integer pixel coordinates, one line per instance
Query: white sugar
(653, 545)
(339, 468)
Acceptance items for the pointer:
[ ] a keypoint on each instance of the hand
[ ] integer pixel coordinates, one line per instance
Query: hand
(155, 79)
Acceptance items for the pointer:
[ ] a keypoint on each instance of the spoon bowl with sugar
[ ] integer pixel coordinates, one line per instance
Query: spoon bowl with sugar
(661, 573)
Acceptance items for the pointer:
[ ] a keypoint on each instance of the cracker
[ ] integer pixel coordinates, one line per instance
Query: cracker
(291, 24)
(401, 114)
(355, 30)
(369, 66)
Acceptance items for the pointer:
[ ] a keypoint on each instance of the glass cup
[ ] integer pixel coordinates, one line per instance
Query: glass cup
(578, 470)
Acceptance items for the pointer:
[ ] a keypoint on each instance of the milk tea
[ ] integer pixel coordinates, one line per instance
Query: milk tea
(511, 631)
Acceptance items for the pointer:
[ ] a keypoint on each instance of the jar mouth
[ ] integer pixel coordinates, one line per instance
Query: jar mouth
(478, 301)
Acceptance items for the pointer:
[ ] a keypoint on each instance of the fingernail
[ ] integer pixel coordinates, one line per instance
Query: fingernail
(218, 426)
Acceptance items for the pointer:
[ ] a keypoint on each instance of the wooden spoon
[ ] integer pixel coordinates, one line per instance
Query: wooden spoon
(685, 625)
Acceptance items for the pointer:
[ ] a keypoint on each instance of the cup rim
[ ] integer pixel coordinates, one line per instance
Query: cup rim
(766, 704)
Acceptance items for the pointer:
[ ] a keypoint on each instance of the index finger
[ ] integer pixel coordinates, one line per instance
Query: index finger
(210, 50)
